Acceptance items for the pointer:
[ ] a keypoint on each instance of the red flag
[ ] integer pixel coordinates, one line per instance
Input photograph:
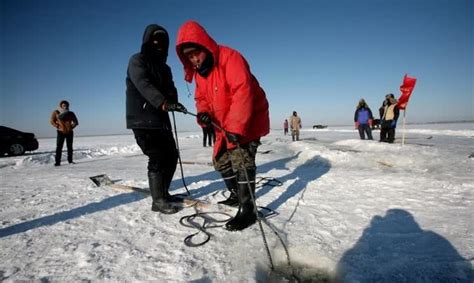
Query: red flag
(406, 88)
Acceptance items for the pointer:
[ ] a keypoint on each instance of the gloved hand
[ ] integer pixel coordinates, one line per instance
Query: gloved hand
(174, 106)
(370, 122)
(204, 118)
(356, 125)
(233, 138)
(394, 124)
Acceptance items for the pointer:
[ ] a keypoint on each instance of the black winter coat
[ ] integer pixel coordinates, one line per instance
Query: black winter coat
(149, 84)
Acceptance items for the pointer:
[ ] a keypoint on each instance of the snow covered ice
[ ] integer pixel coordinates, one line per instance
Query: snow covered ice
(347, 209)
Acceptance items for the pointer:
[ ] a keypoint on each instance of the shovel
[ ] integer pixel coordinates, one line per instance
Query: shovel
(104, 181)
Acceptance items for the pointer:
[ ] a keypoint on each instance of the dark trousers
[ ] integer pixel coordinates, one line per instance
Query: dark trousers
(365, 128)
(59, 146)
(160, 147)
(208, 135)
(387, 133)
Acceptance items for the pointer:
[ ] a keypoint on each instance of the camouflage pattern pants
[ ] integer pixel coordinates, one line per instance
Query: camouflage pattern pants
(236, 159)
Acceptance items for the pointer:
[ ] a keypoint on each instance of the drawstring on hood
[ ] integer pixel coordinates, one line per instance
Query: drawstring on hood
(206, 66)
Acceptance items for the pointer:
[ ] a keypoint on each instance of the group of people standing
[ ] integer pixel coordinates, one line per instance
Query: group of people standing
(389, 114)
(232, 110)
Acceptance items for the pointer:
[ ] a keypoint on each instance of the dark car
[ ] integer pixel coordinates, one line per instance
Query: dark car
(14, 142)
(375, 124)
(319, 126)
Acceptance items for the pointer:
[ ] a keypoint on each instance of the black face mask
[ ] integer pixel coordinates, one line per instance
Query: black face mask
(156, 47)
(151, 51)
(206, 66)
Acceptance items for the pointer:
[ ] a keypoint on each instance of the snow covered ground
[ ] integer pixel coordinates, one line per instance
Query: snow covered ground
(347, 209)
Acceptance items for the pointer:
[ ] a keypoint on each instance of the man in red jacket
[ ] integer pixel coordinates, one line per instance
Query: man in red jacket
(228, 95)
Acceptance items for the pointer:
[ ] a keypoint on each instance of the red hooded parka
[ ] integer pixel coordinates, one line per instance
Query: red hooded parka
(230, 93)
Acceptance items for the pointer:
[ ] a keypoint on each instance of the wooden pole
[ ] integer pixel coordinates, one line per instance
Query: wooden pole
(403, 135)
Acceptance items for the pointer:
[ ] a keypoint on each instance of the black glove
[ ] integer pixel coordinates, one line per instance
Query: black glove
(175, 106)
(204, 118)
(233, 138)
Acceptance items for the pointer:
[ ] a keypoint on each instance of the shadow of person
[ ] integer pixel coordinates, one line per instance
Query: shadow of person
(215, 182)
(311, 170)
(302, 175)
(395, 249)
(49, 220)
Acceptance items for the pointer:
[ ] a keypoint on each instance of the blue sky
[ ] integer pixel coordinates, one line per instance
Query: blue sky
(316, 57)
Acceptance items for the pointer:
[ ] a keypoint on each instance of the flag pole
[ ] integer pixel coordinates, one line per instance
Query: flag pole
(403, 135)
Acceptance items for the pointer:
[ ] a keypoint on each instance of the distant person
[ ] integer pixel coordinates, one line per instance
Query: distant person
(64, 121)
(208, 135)
(295, 126)
(150, 95)
(363, 120)
(212, 133)
(285, 127)
(228, 94)
(389, 113)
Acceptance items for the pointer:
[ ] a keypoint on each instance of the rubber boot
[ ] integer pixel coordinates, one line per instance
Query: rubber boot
(246, 215)
(168, 176)
(159, 193)
(230, 180)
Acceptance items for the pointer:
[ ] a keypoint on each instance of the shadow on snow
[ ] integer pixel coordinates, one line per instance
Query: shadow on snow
(395, 249)
(303, 174)
(104, 204)
(310, 171)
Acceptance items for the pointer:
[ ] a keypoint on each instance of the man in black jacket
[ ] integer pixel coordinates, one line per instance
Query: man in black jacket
(150, 95)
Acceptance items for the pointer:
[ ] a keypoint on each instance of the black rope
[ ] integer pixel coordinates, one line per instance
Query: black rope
(287, 252)
(179, 154)
(268, 181)
(265, 243)
(189, 221)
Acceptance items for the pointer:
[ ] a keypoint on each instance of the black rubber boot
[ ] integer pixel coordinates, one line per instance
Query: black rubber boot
(168, 176)
(159, 194)
(230, 180)
(246, 215)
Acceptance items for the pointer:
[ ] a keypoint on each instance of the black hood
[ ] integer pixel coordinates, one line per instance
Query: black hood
(149, 31)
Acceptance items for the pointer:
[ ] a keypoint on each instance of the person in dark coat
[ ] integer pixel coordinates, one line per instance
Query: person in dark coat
(208, 136)
(150, 95)
(363, 120)
(389, 114)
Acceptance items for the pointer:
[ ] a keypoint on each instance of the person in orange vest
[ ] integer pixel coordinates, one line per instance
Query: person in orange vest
(389, 114)
(64, 121)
